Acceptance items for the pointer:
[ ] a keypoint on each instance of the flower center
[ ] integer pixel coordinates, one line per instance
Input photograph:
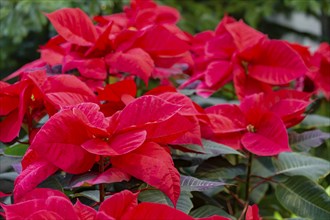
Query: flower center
(132, 28)
(251, 128)
(33, 98)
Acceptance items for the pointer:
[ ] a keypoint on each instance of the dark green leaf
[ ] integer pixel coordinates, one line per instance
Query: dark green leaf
(213, 172)
(90, 194)
(298, 164)
(258, 192)
(187, 92)
(304, 197)
(155, 196)
(308, 139)
(210, 149)
(51, 182)
(315, 121)
(209, 210)
(17, 150)
(297, 218)
(189, 183)
(8, 176)
(263, 166)
(6, 163)
(184, 202)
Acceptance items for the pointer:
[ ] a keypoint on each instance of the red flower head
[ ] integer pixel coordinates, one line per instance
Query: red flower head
(115, 96)
(259, 123)
(124, 206)
(36, 94)
(42, 203)
(74, 139)
(320, 66)
(238, 52)
(121, 43)
(14, 101)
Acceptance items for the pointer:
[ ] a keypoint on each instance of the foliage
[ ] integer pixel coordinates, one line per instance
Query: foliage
(19, 45)
(127, 116)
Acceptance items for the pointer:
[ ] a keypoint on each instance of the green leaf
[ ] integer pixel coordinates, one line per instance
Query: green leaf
(184, 202)
(8, 176)
(258, 192)
(52, 183)
(213, 172)
(8, 163)
(209, 210)
(210, 149)
(297, 164)
(263, 166)
(308, 139)
(16, 150)
(187, 92)
(297, 218)
(155, 196)
(315, 121)
(90, 194)
(304, 198)
(215, 149)
(189, 183)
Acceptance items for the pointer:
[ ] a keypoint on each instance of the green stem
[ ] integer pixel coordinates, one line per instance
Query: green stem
(263, 180)
(248, 176)
(247, 186)
(101, 185)
(236, 202)
(240, 202)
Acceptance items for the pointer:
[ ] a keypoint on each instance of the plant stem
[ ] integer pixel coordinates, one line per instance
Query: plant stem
(101, 185)
(235, 197)
(248, 176)
(230, 208)
(237, 201)
(247, 186)
(263, 180)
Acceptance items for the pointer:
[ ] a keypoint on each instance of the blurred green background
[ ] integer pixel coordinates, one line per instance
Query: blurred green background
(23, 27)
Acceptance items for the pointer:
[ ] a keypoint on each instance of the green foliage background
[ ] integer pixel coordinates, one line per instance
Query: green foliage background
(23, 27)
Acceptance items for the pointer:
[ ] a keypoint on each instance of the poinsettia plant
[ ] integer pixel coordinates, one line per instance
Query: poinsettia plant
(126, 116)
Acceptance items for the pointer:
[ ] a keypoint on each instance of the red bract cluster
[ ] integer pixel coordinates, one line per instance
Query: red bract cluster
(45, 203)
(143, 41)
(121, 131)
(259, 123)
(235, 51)
(35, 95)
(134, 139)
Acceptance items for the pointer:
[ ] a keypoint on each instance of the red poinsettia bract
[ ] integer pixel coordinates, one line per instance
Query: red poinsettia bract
(134, 139)
(259, 122)
(143, 42)
(124, 206)
(252, 213)
(35, 95)
(320, 66)
(42, 203)
(237, 52)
